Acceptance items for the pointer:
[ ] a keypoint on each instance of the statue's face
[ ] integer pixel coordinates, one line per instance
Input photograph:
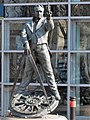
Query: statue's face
(38, 13)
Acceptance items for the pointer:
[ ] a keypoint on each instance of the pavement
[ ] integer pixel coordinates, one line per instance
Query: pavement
(46, 117)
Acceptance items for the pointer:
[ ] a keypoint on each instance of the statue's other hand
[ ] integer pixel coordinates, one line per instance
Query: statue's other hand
(48, 12)
(49, 15)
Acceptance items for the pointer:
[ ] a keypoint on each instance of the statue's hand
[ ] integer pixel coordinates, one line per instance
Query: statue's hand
(49, 15)
(27, 50)
(48, 12)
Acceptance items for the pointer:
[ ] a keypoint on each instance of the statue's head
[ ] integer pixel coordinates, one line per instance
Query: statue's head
(39, 11)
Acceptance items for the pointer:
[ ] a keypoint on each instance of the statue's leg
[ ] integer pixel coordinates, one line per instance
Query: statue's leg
(44, 59)
(28, 73)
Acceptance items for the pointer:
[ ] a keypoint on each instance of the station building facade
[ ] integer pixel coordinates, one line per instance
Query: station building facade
(69, 43)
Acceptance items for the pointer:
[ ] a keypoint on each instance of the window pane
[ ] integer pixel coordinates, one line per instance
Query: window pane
(13, 35)
(82, 100)
(11, 64)
(0, 83)
(0, 98)
(80, 35)
(0, 34)
(59, 63)
(28, 11)
(80, 68)
(80, 10)
(85, 0)
(58, 38)
(0, 66)
(80, 0)
(62, 107)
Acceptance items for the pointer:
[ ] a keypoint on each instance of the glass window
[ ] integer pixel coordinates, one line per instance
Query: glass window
(0, 61)
(0, 66)
(80, 10)
(0, 46)
(11, 65)
(57, 38)
(28, 11)
(62, 107)
(85, 0)
(82, 100)
(59, 64)
(13, 35)
(80, 35)
(0, 97)
(80, 0)
(80, 68)
(0, 34)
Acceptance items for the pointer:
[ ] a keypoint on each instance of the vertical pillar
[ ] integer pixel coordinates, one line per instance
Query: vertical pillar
(72, 108)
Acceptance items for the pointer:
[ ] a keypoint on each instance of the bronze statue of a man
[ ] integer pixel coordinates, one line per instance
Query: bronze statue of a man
(34, 37)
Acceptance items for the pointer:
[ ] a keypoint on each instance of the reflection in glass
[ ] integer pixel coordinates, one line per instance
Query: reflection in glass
(57, 38)
(80, 36)
(31, 1)
(62, 107)
(80, 0)
(28, 11)
(0, 97)
(80, 68)
(59, 63)
(85, 101)
(11, 65)
(85, 0)
(82, 101)
(13, 35)
(80, 10)
(0, 34)
(0, 66)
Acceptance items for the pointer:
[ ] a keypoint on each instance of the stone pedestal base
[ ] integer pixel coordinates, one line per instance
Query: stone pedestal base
(46, 117)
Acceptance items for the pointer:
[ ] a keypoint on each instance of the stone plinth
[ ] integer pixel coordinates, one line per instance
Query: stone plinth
(46, 117)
